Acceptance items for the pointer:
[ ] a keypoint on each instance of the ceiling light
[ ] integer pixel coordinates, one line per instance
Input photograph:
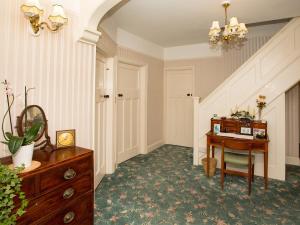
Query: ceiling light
(232, 33)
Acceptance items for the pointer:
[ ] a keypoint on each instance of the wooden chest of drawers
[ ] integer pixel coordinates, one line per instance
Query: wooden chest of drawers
(61, 191)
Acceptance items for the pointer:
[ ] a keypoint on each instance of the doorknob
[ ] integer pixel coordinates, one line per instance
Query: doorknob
(106, 96)
(189, 94)
(120, 95)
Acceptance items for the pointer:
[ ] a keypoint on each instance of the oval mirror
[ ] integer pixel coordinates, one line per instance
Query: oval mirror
(29, 116)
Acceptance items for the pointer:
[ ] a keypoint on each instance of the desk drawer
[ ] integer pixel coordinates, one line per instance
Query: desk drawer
(67, 172)
(78, 211)
(56, 199)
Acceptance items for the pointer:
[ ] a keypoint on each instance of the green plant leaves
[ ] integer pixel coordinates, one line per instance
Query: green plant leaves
(32, 132)
(15, 143)
(8, 135)
(10, 187)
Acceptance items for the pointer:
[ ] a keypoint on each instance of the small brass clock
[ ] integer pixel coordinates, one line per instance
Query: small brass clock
(65, 138)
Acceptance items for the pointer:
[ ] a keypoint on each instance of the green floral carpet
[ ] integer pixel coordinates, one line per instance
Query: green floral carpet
(164, 187)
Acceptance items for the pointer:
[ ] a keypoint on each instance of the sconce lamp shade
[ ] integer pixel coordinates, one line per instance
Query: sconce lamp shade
(58, 16)
(32, 8)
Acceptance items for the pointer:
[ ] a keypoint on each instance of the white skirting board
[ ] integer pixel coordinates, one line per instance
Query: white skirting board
(155, 145)
(291, 160)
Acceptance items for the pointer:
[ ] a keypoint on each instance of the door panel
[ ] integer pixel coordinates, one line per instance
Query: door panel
(100, 123)
(128, 108)
(180, 87)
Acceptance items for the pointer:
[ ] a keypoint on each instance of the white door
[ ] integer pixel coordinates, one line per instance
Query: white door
(179, 106)
(128, 108)
(100, 123)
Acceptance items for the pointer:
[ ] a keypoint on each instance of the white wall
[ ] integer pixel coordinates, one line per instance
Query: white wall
(194, 51)
(138, 44)
(61, 70)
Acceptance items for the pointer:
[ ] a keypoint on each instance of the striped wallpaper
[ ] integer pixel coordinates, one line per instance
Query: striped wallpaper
(60, 68)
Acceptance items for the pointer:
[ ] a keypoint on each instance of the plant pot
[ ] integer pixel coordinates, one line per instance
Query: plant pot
(23, 157)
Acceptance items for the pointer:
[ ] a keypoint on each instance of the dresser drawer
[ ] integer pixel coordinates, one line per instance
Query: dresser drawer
(67, 172)
(29, 186)
(57, 198)
(74, 214)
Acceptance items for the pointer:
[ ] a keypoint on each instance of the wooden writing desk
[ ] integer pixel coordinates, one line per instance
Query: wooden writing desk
(234, 126)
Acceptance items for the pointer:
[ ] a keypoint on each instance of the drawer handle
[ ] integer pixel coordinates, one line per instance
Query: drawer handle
(69, 217)
(68, 193)
(69, 174)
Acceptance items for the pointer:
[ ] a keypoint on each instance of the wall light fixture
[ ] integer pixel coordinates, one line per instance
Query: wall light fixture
(33, 11)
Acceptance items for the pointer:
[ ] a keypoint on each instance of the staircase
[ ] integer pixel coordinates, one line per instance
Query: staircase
(271, 71)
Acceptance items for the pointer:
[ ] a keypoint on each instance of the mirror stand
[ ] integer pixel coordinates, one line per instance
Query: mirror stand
(30, 114)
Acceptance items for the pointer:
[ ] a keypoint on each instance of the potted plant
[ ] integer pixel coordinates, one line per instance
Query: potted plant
(10, 189)
(21, 148)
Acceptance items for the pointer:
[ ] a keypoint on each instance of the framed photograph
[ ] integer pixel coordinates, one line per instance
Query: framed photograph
(259, 133)
(65, 138)
(217, 128)
(246, 130)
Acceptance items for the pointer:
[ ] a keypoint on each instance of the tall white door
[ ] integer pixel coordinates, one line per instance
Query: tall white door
(100, 123)
(179, 106)
(128, 108)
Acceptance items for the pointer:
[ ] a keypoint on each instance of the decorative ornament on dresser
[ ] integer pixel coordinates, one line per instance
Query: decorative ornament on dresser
(261, 104)
(21, 147)
(65, 138)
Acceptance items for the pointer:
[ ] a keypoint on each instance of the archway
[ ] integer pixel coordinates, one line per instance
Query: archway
(92, 11)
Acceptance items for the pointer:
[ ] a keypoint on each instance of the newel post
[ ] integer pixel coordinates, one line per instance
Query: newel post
(196, 131)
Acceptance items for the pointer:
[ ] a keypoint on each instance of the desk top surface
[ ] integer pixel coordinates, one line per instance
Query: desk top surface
(254, 140)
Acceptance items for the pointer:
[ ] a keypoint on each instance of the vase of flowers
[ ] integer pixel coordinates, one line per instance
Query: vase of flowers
(261, 104)
(21, 148)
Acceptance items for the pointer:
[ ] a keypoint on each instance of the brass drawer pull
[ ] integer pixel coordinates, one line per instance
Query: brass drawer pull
(69, 174)
(69, 217)
(68, 193)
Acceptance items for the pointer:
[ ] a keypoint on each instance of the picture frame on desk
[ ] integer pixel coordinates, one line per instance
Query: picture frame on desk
(217, 128)
(246, 130)
(259, 133)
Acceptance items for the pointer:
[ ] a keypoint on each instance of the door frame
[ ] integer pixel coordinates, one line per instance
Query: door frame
(143, 104)
(104, 60)
(165, 110)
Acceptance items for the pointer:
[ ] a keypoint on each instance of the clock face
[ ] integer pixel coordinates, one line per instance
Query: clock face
(66, 139)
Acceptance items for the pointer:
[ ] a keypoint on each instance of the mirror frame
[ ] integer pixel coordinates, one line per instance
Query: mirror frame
(20, 130)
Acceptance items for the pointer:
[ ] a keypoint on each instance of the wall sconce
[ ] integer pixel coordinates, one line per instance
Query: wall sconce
(33, 12)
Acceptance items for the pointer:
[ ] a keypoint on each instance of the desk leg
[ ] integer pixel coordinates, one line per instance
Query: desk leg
(266, 167)
(208, 156)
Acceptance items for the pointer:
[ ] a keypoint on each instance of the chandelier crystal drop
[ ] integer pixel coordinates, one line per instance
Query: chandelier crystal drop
(232, 33)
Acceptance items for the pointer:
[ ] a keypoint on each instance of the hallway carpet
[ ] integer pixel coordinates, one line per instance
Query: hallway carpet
(164, 187)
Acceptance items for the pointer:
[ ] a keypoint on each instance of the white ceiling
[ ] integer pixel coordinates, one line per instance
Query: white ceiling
(181, 22)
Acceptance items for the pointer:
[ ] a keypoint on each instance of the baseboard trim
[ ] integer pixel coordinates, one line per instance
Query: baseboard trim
(155, 145)
(291, 160)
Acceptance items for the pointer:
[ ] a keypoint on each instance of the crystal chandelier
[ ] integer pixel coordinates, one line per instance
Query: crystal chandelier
(232, 33)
